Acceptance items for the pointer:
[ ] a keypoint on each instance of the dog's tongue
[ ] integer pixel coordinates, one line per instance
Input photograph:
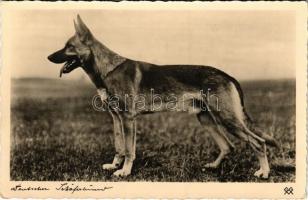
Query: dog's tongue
(61, 70)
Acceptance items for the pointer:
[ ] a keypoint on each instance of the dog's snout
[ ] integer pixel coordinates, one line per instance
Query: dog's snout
(58, 57)
(53, 58)
(49, 58)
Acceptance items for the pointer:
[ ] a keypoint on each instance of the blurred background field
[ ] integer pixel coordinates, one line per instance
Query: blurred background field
(57, 136)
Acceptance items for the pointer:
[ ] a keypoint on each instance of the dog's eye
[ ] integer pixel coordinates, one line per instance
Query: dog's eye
(69, 46)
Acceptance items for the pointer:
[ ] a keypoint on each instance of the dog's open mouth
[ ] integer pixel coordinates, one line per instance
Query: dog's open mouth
(69, 66)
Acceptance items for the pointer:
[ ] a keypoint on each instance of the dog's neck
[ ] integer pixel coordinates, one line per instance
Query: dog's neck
(104, 61)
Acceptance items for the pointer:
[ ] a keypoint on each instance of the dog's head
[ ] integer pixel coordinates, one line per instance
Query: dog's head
(76, 52)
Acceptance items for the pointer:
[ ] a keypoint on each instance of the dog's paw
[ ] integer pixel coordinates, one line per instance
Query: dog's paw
(212, 165)
(109, 166)
(121, 173)
(262, 173)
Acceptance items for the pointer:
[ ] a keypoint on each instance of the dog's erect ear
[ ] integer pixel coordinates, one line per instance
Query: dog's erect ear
(82, 31)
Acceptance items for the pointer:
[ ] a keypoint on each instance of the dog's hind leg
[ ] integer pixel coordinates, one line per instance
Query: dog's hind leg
(264, 166)
(233, 117)
(118, 142)
(220, 139)
(257, 144)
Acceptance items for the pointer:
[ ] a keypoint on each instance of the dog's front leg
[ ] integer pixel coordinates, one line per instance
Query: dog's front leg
(129, 125)
(118, 143)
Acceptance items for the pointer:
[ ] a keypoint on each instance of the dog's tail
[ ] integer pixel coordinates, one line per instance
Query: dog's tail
(250, 123)
(269, 140)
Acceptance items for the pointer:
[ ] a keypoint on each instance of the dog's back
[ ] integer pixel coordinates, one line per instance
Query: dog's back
(171, 78)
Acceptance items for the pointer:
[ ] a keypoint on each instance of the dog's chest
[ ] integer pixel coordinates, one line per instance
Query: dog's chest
(102, 92)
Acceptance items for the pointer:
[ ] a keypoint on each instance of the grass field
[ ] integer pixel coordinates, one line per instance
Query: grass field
(56, 135)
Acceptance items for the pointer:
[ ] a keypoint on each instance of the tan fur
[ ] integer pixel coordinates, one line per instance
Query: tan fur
(114, 74)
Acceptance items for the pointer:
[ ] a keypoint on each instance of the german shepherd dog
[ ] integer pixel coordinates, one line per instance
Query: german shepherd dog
(113, 74)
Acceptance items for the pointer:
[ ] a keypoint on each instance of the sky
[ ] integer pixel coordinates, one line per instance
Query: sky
(246, 44)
